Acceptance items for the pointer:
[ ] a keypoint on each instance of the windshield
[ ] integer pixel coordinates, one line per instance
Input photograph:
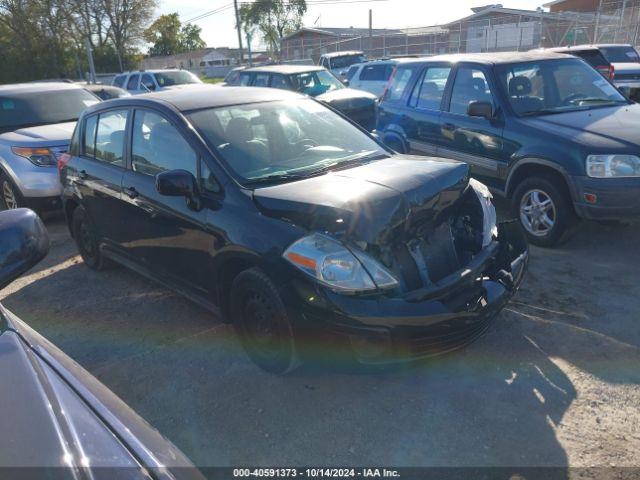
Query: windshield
(624, 54)
(178, 77)
(347, 60)
(555, 86)
(315, 83)
(41, 108)
(278, 141)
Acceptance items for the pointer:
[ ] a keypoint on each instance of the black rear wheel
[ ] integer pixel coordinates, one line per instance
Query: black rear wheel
(86, 239)
(262, 322)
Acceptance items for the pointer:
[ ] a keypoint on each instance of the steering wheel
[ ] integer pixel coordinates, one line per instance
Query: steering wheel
(572, 98)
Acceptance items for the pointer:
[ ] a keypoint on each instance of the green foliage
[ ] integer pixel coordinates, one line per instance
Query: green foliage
(42, 39)
(168, 36)
(273, 18)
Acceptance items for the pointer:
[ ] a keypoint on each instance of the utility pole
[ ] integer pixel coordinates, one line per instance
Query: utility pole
(238, 27)
(92, 67)
(371, 33)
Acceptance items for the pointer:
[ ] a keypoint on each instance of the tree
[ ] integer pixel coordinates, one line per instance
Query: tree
(276, 18)
(168, 36)
(247, 26)
(190, 37)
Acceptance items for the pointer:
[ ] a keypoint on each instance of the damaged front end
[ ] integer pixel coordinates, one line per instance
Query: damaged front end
(414, 267)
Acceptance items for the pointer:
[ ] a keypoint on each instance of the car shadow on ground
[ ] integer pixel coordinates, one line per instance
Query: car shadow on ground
(497, 402)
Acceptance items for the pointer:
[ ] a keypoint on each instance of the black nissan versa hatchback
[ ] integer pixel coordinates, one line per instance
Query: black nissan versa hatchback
(272, 210)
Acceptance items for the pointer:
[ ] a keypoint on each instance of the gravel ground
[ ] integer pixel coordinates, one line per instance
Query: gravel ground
(554, 382)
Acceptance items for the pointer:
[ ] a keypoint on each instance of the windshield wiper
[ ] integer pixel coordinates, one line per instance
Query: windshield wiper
(278, 177)
(349, 162)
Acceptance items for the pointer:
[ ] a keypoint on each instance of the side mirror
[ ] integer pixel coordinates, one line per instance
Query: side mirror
(179, 183)
(23, 243)
(345, 82)
(480, 109)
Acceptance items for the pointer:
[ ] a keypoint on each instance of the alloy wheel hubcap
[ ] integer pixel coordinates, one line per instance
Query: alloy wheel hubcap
(537, 213)
(9, 196)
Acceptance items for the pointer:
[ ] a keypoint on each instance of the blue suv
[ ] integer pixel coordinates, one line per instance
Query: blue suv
(543, 129)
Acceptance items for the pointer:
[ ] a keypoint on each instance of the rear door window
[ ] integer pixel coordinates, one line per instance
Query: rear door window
(279, 81)
(245, 79)
(470, 85)
(147, 82)
(157, 146)
(261, 80)
(428, 93)
(132, 84)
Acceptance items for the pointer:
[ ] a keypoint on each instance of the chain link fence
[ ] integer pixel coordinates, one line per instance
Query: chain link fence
(499, 29)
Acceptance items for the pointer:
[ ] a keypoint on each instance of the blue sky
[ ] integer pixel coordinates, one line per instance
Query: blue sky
(218, 29)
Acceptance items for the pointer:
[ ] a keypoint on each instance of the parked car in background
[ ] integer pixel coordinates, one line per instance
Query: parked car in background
(590, 54)
(269, 208)
(105, 92)
(626, 64)
(371, 77)
(145, 81)
(233, 76)
(36, 123)
(540, 128)
(58, 417)
(316, 82)
(338, 63)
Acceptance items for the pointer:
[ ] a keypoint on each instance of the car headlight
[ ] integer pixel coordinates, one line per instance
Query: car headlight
(489, 223)
(342, 269)
(611, 166)
(42, 157)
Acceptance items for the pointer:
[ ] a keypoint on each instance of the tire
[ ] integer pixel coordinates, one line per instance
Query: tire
(84, 234)
(262, 322)
(543, 208)
(395, 144)
(10, 196)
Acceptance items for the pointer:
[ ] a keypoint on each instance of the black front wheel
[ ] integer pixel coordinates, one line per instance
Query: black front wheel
(262, 322)
(543, 207)
(10, 197)
(86, 239)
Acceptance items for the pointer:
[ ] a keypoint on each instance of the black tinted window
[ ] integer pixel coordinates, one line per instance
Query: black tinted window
(262, 80)
(132, 84)
(157, 146)
(119, 81)
(429, 91)
(279, 81)
(624, 54)
(148, 82)
(110, 137)
(378, 73)
(41, 108)
(469, 86)
(592, 57)
(245, 79)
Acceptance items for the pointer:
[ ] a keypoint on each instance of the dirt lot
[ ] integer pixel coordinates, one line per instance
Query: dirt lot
(555, 381)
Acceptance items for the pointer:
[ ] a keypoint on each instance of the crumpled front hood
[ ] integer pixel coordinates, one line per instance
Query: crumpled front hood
(609, 127)
(371, 202)
(347, 98)
(54, 134)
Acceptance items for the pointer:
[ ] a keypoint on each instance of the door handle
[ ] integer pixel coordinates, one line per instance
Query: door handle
(448, 126)
(82, 174)
(131, 192)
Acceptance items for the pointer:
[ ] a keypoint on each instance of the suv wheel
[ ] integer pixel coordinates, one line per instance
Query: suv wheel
(10, 195)
(262, 322)
(544, 210)
(86, 239)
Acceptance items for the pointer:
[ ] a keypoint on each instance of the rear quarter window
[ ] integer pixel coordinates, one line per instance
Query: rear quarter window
(401, 80)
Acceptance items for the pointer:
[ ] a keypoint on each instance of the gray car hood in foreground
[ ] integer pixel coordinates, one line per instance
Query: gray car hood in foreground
(52, 135)
(55, 414)
(371, 202)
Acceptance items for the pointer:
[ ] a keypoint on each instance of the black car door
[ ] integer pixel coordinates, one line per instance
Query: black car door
(425, 101)
(99, 171)
(474, 140)
(165, 234)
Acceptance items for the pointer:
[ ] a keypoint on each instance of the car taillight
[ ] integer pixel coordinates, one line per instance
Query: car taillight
(388, 86)
(612, 72)
(63, 159)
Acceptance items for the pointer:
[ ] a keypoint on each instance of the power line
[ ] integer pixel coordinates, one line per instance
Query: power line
(209, 13)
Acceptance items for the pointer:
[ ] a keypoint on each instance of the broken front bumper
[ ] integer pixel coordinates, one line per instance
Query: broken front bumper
(432, 320)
